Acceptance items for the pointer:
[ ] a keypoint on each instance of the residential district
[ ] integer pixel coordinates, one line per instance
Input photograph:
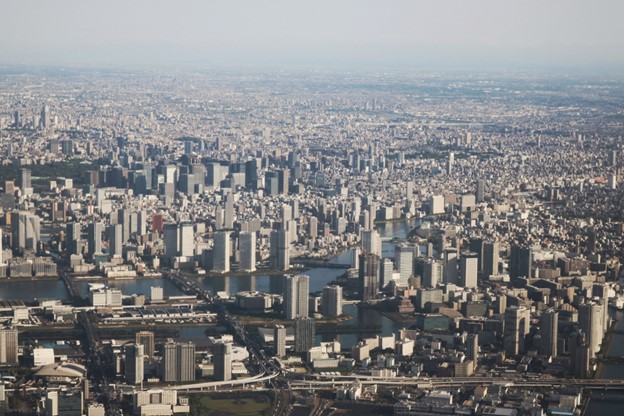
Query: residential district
(323, 243)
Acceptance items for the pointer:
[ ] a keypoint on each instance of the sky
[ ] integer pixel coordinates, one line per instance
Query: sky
(428, 34)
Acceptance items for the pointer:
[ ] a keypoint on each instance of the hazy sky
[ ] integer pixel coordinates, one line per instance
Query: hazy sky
(382, 33)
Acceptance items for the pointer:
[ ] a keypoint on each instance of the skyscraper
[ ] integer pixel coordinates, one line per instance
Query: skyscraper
(490, 259)
(580, 354)
(520, 261)
(94, 236)
(8, 345)
(187, 239)
(549, 326)
(331, 301)
(450, 266)
(25, 230)
(280, 250)
(404, 260)
(480, 190)
(517, 325)
(279, 340)
(368, 278)
(134, 363)
(115, 240)
(72, 238)
(171, 240)
(221, 252)
(468, 270)
(590, 319)
(25, 179)
(304, 334)
(432, 273)
(222, 360)
(296, 293)
(247, 247)
(178, 362)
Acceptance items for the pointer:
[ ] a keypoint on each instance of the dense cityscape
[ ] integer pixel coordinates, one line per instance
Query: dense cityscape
(310, 242)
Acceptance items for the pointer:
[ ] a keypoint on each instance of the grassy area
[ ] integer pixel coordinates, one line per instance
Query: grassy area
(242, 405)
(41, 174)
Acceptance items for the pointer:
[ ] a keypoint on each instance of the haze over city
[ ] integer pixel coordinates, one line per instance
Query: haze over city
(446, 34)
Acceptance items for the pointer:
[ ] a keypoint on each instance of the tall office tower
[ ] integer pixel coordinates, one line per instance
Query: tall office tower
(520, 262)
(517, 325)
(436, 205)
(490, 259)
(25, 179)
(186, 361)
(228, 212)
(296, 294)
(141, 223)
(368, 278)
(188, 147)
(72, 238)
(279, 340)
(115, 240)
(601, 291)
(480, 190)
(580, 354)
(472, 348)
(186, 241)
(468, 270)
(450, 163)
(409, 190)
(313, 227)
(178, 362)
(94, 235)
(285, 214)
(221, 252)
(171, 239)
(433, 273)
(170, 362)
(404, 259)
(386, 269)
(477, 246)
(371, 242)
(146, 338)
(372, 216)
(134, 363)
(8, 346)
(283, 176)
(331, 301)
(247, 247)
(304, 334)
(25, 230)
(123, 219)
(294, 209)
(280, 250)
(45, 117)
(251, 174)
(590, 317)
(450, 267)
(549, 326)
(222, 359)
(613, 156)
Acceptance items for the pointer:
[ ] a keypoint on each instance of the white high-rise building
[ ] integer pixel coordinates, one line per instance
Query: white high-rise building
(221, 252)
(404, 259)
(279, 340)
(296, 293)
(469, 264)
(187, 239)
(437, 204)
(247, 247)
